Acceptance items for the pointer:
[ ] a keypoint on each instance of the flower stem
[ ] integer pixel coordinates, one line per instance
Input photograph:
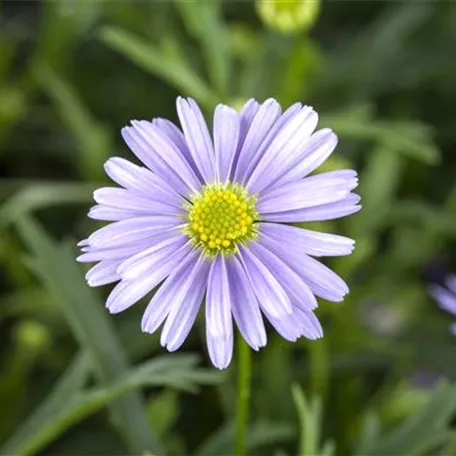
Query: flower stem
(243, 396)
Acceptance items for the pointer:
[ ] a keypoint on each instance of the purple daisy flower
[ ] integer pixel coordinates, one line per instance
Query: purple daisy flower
(212, 217)
(446, 297)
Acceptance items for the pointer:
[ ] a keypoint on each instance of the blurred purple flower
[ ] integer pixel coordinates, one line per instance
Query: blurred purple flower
(212, 217)
(446, 297)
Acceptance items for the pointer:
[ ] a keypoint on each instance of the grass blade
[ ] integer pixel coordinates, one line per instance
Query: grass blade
(58, 271)
(165, 370)
(164, 62)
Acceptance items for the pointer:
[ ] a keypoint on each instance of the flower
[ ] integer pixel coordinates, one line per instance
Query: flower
(213, 218)
(288, 16)
(446, 297)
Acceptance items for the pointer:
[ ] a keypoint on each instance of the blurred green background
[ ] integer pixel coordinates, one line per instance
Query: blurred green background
(382, 75)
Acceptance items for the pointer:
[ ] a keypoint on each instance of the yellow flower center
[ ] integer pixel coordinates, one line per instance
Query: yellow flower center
(220, 217)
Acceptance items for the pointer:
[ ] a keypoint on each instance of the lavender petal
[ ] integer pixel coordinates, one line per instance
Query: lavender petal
(226, 136)
(269, 292)
(310, 242)
(197, 137)
(245, 308)
(186, 300)
(219, 325)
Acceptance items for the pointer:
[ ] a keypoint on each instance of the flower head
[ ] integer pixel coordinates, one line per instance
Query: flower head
(212, 218)
(446, 297)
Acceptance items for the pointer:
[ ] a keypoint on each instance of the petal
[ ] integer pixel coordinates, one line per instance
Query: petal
(92, 255)
(246, 116)
(246, 311)
(161, 303)
(144, 261)
(271, 136)
(297, 324)
(286, 326)
(309, 324)
(219, 325)
(167, 153)
(321, 280)
(120, 198)
(451, 284)
(260, 128)
(139, 179)
(226, 136)
(111, 214)
(175, 135)
(331, 211)
(310, 242)
(283, 149)
(146, 152)
(313, 191)
(270, 294)
(186, 296)
(133, 230)
(128, 292)
(444, 298)
(103, 273)
(293, 284)
(197, 137)
(311, 155)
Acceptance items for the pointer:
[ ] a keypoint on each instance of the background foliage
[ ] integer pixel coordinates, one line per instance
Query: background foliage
(74, 380)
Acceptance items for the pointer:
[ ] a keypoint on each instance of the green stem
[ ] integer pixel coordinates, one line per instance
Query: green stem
(319, 368)
(243, 396)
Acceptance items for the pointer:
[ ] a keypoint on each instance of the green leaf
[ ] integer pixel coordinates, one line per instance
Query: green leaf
(68, 385)
(422, 431)
(62, 24)
(379, 183)
(411, 139)
(259, 434)
(163, 410)
(300, 71)
(369, 433)
(310, 421)
(418, 213)
(92, 139)
(165, 62)
(42, 195)
(91, 326)
(203, 21)
(178, 371)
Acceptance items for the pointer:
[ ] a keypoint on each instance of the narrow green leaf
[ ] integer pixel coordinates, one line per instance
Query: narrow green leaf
(164, 62)
(328, 449)
(411, 139)
(202, 19)
(70, 409)
(40, 195)
(418, 213)
(310, 421)
(380, 181)
(91, 326)
(68, 385)
(92, 139)
(369, 434)
(164, 410)
(259, 434)
(423, 430)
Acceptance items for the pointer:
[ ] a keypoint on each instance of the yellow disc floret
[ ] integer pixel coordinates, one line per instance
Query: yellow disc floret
(220, 217)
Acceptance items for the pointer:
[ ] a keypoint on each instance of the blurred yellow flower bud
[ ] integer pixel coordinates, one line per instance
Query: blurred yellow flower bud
(32, 335)
(238, 103)
(288, 16)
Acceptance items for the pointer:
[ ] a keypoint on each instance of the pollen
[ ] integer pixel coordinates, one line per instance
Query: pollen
(220, 217)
